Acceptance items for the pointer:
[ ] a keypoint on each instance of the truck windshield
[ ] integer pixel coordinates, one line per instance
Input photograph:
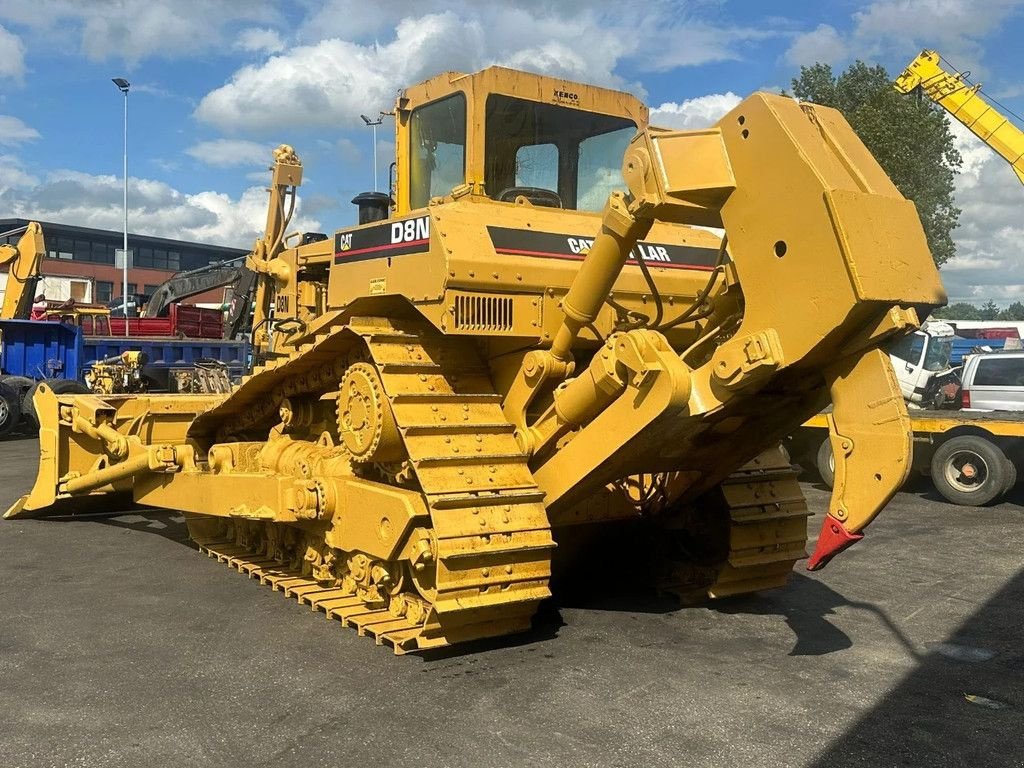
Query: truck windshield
(937, 354)
(577, 155)
(908, 349)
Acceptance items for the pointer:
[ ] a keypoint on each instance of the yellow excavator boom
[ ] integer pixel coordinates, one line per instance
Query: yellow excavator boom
(23, 264)
(964, 101)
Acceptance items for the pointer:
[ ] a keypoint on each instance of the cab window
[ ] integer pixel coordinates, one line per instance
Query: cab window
(575, 156)
(908, 349)
(999, 372)
(437, 157)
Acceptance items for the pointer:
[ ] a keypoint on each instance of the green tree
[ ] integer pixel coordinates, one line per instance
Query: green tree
(909, 137)
(1013, 312)
(989, 311)
(959, 311)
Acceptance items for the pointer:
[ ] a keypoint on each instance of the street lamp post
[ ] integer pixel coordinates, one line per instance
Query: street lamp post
(373, 124)
(123, 86)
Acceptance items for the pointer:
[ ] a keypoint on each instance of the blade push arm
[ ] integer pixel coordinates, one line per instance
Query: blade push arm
(831, 262)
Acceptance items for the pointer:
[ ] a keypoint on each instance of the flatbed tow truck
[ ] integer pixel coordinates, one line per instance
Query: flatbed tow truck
(971, 456)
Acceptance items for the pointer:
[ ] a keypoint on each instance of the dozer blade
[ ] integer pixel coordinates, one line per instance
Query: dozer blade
(90, 451)
(44, 492)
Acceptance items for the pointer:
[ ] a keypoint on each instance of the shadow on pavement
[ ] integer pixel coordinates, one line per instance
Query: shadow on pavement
(589, 579)
(962, 706)
(162, 522)
(805, 605)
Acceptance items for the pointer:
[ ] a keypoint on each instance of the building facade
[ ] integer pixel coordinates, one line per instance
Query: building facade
(81, 252)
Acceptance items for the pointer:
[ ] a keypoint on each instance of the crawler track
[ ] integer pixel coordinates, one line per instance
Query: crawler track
(766, 532)
(492, 542)
(386, 624)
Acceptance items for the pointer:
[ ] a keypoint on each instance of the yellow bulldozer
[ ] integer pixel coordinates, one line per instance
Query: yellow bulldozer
(544, 328)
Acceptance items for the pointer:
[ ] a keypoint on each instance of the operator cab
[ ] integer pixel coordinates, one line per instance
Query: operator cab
(507, 135)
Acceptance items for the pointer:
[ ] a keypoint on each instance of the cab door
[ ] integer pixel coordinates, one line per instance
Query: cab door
(907, 357)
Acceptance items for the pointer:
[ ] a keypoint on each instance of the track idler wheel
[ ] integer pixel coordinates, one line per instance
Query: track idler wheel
(366, 424)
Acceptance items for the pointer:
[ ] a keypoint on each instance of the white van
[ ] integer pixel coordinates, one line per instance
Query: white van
(993, 382)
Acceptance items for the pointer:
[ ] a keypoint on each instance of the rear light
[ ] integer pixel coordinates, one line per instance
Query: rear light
(965, 398)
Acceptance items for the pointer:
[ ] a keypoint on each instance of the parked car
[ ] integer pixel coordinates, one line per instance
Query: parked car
(993, 382)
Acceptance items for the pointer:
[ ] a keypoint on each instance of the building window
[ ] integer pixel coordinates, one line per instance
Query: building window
(131, 288)
(103, 253)
(149, 290)
(65, 247)
(104, 291)
(158, 258)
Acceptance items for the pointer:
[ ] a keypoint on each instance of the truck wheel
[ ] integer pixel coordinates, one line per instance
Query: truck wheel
(1011, 477)
(59, 387)
(970, 471)
(826, 463)
(20, 384)
(67, 387)
(23, 387)
(10, 408)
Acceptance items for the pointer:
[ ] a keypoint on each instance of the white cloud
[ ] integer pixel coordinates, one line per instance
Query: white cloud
(155, 208)
(990, 263)
(12, 55)
(672, 40)
(334, 80)
(227, 153)
(821, 44)
(137, 29)
(14, 177)
(943, 22)
(700, 112)
(257, 40)
(14, 131)
(354, 62)
(900, 28)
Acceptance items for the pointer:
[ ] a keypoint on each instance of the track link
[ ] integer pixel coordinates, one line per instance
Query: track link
(385, 624)
(492, 533)
(767, 532)
(492, 542)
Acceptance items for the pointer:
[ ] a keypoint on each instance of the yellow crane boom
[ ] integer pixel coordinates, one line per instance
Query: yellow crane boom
(965, 102)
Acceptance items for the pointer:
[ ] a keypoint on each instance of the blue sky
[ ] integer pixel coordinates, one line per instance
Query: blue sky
(218, 83)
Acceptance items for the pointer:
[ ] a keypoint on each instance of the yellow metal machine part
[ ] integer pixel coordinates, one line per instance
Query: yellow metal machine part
(964, 101)
(501, 360)
(117, 375)
(23, 262)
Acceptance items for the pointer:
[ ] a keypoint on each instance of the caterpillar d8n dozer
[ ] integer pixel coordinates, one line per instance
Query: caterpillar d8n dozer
(528, 339)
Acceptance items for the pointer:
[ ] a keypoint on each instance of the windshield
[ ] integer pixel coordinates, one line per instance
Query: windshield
(908, 349)
(576, 155)
(437, 161)
(936, 356)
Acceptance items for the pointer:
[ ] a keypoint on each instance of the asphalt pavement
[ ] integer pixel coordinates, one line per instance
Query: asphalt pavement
(121, 645)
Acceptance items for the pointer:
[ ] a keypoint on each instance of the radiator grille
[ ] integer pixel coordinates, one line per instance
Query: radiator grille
(483, 313)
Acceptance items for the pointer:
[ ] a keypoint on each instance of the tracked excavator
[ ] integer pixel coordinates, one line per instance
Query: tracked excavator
(537, 334)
